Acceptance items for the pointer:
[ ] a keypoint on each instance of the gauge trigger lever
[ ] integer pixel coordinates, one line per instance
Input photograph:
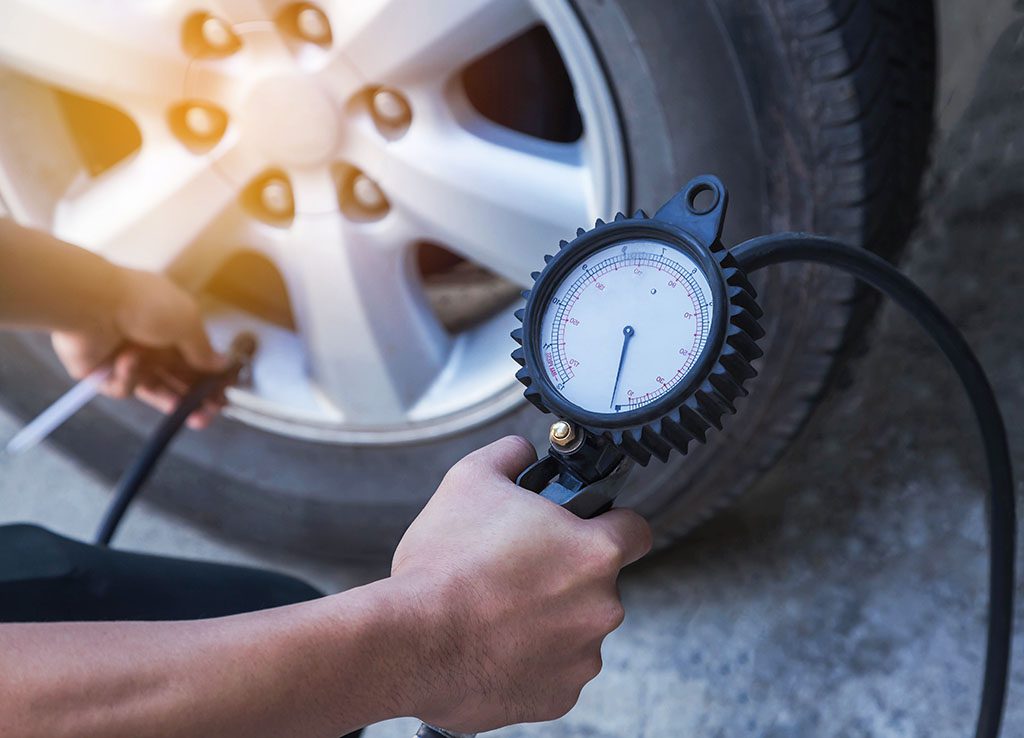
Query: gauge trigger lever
(584, 486)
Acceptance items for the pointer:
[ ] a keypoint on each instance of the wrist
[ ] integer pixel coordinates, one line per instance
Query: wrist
(420, 624)
(108, 291)
(377, 645)
(120, 301)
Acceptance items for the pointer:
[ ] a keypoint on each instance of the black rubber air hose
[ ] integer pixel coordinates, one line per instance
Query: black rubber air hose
(764, 251)
(242, 350)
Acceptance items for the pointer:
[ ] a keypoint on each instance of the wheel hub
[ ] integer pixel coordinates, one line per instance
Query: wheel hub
(290, 120)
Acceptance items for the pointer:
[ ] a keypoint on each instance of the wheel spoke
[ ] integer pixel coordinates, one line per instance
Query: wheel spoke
(146, 212)
(91, 49)
(373, 345)
(500, 199)
(398, 41)
(339, 76)
(247, 11)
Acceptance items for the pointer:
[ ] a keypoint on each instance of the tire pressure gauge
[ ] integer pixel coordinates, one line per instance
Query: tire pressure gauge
(639, 335)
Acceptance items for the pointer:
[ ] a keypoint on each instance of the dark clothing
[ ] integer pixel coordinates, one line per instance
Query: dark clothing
(45, 577)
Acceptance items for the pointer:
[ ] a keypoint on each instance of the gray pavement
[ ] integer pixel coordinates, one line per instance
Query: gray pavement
(846, 596)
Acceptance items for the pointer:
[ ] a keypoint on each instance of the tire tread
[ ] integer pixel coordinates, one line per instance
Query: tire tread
(866, 68)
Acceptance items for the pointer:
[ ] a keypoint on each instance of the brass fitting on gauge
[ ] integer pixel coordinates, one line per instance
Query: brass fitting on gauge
(564, 437)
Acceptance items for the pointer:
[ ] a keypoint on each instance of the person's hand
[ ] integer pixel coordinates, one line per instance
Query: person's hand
(161, 346)
(520, 593)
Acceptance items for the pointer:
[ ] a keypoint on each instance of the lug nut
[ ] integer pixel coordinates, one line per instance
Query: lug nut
(390, 108)
(562, 433)
(368, 194)
(312, 25)
(202, 122)
(198, 125)
(217, 35)
(276, 197)
(359, 197)
(269, 198)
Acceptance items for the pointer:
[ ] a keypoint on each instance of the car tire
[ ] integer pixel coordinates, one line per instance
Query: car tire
(816, 113)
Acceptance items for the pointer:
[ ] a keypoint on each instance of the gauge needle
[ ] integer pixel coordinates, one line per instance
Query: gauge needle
(627, 334)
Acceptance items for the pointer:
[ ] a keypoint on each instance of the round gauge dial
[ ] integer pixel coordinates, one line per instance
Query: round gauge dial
(625, 326)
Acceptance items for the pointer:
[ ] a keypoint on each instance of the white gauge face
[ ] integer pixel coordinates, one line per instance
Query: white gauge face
(626, 326)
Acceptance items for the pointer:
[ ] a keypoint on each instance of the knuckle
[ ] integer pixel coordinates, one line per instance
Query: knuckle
(612, 616)
(461, 472)
(634, 527)
(462, 479)
(568, 701)
(643, 532)
(592, 667)
(561, 704)
(604, 556)
(592, 563)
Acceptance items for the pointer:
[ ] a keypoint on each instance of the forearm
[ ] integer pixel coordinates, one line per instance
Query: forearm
(321, 668)
(48, 284)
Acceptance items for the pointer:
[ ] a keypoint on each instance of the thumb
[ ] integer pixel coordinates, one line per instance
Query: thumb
(507, 457)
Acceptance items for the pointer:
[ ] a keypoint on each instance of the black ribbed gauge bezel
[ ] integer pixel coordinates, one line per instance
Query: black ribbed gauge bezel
(580, 251)
(714, 382)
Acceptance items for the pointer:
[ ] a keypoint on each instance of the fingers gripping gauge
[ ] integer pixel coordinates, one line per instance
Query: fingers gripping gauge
(641, 332)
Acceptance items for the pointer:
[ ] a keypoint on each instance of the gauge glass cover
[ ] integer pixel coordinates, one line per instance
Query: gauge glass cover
(625, 326)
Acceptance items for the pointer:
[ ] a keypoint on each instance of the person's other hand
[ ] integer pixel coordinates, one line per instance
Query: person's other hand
(519, 593)
(163, 345)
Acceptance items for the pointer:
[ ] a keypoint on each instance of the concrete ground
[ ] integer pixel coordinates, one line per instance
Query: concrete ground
(846, 596)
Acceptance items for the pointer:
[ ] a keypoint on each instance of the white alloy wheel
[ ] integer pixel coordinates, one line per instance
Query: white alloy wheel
(332, 140)
(483, 161)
